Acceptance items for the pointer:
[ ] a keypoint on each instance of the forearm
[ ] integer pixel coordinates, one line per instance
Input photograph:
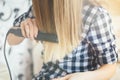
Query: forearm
(104, 73)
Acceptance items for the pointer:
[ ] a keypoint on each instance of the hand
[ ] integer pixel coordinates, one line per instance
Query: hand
(29, 28)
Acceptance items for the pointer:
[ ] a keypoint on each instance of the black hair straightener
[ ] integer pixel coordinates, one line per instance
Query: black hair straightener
(41, 36)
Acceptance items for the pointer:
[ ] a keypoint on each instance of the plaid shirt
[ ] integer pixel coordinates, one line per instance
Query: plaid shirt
(96, 48)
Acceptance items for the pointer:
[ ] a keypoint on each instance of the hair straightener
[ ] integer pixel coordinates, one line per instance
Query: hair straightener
(41, 36)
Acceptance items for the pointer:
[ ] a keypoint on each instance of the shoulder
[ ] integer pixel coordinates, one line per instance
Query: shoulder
(96, 19)
(92, 12)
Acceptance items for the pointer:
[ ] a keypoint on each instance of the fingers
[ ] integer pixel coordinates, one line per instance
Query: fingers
(35, 31)
(23, 29)
(29, 28)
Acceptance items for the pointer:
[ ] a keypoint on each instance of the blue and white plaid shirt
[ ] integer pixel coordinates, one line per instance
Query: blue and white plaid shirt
(96, 49)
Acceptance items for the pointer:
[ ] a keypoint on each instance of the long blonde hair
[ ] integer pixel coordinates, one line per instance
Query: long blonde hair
(61, 17)
(102, 3)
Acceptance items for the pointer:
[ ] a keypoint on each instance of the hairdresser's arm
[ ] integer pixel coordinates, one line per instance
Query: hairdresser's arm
(20, 22)
(29, 30)
(104, 73)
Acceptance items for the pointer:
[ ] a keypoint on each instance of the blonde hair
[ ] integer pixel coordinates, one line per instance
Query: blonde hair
(61, 17)
(102, 3)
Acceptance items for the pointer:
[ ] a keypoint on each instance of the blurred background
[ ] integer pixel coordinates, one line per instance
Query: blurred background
(20, 56)
(24, 56)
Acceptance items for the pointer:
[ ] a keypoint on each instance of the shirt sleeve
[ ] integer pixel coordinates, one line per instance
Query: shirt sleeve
(102, 39)
(28, 14)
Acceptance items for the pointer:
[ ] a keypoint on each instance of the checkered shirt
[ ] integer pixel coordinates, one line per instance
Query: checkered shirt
(96, 48)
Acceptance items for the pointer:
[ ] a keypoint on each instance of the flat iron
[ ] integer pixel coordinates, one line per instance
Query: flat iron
(41, 35)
